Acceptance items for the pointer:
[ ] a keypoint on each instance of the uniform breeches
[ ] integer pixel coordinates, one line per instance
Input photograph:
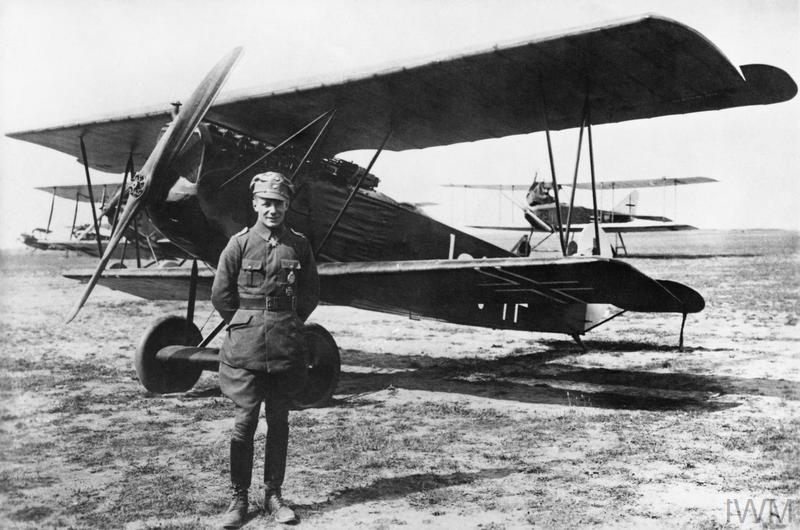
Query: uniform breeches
(247, 389)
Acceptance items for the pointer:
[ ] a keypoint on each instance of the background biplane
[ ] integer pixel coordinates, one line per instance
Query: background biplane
(540, 211)
(376, 253)
(141, 239)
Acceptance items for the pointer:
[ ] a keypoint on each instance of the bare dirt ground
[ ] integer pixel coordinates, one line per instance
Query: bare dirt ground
(433, 425)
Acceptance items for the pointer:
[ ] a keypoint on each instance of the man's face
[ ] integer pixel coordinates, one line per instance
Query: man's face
(271, 212)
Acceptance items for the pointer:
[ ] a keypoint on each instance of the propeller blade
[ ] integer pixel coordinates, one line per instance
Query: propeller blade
(193, 111)
(131, 209)
(165, 151)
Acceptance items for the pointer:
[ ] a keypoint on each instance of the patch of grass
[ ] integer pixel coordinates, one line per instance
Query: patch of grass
(781, 443)
(215, 409)
(31, 513)
(14, 481)
(434, 497)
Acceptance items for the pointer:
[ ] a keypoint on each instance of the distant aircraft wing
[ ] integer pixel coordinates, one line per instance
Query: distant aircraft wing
(80, 192)
(162, 248)
(643, 183)
(635, 69)
(442, 283)
(604, 185)
(612, 228)
(501, 187)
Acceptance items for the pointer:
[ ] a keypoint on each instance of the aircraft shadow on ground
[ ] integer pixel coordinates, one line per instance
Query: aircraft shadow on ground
(538, 378)
(400, 487)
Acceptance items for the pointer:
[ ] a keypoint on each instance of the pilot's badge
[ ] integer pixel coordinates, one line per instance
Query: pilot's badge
(291, 277)
(272, 242)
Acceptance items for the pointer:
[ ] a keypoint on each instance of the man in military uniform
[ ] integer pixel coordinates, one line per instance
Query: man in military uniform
(265, 287)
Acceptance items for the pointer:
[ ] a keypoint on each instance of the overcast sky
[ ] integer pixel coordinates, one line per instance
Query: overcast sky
(63, 61)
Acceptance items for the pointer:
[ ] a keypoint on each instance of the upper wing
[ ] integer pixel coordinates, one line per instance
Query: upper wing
(433, 287)
(488, 186)
(80, 192)
(631, 70)
(604, 185)
(644, 183)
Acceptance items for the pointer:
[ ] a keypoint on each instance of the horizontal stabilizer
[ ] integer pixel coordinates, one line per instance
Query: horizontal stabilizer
(690, 299)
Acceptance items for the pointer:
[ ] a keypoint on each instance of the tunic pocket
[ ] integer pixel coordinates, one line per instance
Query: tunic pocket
(251, 273)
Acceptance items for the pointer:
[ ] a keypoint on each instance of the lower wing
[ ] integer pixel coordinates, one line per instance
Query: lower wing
(513, 293)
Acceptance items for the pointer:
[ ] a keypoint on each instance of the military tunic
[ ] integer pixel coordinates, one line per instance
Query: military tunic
(265, 287)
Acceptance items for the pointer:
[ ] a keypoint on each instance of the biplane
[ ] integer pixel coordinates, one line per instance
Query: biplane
(141, 238)
(542, 214)
(189, 173)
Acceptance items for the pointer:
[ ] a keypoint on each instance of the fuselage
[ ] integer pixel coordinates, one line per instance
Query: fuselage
(582, 215)
(198, 212)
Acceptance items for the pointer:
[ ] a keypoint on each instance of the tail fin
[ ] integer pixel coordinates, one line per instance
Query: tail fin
(628, 204)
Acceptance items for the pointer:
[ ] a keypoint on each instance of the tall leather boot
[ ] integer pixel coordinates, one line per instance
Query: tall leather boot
(236, 515)
(277, 507)
(241, 473)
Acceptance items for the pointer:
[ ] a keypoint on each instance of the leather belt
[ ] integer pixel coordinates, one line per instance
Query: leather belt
(268, 303)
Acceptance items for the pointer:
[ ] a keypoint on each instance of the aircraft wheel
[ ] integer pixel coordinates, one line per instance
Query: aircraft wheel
(117, 265)
(163, 378)
(324, 367)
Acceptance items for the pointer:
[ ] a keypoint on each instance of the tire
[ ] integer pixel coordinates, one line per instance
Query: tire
(324, 367)
(164, 378)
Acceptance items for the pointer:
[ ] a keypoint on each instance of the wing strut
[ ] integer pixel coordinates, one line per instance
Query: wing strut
(575, 175)
(596, 244)
(320, 134)
(274, 149)
(192, 294)
(52, 205)
(352, 194)
(129, 170)
(136, 241)
(75, 215)
(118, 207)
(91, 198)
(552, 169)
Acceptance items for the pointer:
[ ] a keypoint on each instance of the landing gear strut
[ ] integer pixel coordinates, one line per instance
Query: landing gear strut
(172, 355)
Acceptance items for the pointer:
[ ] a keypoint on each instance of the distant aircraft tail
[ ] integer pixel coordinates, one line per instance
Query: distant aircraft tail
(628, 204)
(584, 243)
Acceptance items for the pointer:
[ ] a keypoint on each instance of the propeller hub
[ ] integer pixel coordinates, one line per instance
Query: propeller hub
(137, 185)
